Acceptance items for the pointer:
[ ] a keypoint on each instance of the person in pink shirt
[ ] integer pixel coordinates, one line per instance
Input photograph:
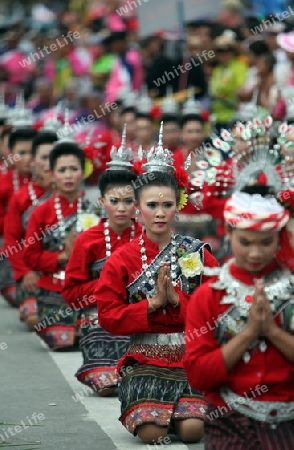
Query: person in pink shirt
(127, 71)
(14, 61)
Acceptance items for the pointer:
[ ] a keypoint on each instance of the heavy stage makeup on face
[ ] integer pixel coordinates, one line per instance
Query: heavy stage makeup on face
(41, 164)
(253, 250)
(158, 207)
(119, 204)
(23, 157)
(67, 174)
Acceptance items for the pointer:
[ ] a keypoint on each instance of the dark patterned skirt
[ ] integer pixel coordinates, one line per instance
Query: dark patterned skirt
(7, 282)
(152, 394)
(234, 431)
(57, 324)
(101, 353)
(27, 303)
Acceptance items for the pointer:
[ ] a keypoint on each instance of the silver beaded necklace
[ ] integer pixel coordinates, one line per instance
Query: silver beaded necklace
(15, 181)
(107, 237)
(3, 169)
(32, 194)
(60, 218)
(173, 259)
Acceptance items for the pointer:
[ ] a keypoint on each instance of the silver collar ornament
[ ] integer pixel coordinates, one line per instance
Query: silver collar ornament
(278, 288)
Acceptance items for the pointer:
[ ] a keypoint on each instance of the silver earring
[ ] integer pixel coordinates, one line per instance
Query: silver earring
(137, 215)
(177, 215)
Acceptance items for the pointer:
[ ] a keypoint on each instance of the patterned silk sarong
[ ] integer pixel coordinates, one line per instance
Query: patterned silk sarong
(101, 353)
(57, 324)
(233, 430)
(152, 394)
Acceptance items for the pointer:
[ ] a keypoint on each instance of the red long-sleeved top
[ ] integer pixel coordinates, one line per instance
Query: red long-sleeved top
(90, 247)
(204, 361)
(36, 257)
(14, 230)
(6, 191)
(119, 317)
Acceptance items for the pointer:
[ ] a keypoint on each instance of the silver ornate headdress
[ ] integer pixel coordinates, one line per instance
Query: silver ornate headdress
(53, 124)
(66, 133)
(169, 105)
(128, 97)
(130, 100)
(251, 109)
(191, 106)
(121, 158)
(145, 103)
(259, 161)
(158, 158)
(21, 117)
(4, 109)
(288, 95)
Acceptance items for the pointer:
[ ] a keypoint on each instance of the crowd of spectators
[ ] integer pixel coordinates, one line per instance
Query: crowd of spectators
(92, 53)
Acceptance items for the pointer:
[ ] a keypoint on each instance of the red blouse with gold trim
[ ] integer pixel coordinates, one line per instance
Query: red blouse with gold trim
(88, 258)
(123, 287)
(45, 241)
(212, 321)
(15, 224)
(7, 188)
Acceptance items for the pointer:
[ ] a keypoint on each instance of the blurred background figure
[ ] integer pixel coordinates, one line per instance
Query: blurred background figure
(227, 77)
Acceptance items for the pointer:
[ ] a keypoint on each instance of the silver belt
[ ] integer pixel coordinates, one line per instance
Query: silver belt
(157, 339)
(269, 412)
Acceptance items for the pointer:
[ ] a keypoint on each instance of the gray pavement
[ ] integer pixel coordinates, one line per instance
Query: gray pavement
(37, 380)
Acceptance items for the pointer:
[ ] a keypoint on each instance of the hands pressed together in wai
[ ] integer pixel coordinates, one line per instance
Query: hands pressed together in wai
(166, 293)
(260, 320)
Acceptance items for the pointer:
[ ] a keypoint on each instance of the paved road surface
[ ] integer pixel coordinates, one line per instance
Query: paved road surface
(36, 380)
